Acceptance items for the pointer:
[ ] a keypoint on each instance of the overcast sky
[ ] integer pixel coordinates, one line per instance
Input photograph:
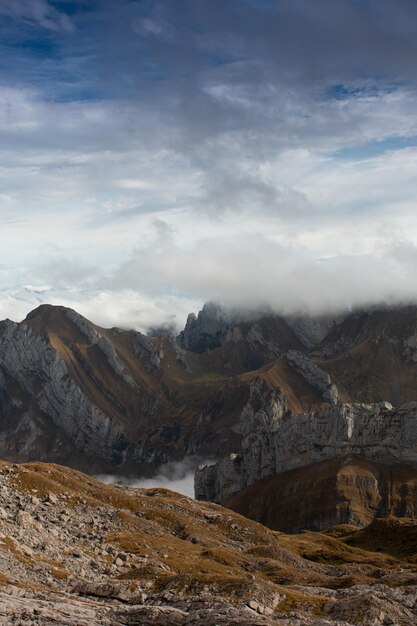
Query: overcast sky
(155, 154)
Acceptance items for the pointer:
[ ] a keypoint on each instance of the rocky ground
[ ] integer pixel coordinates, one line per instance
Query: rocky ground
(74, 551)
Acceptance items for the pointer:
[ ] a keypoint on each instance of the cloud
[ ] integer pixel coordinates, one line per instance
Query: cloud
(253, 150)
(255, 271)
(125, 308)
(177, 476)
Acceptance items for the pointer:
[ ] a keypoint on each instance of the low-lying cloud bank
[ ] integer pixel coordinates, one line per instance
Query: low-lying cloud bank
(255, 272)
(177, 476)
(164, 281)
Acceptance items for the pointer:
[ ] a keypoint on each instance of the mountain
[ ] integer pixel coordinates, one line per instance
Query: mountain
(114, 400)
(265, 394)
(344, 461)
(101, 399)
(79, 552)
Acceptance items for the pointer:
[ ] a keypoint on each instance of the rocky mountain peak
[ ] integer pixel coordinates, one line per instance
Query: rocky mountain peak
(57, 319)
(206, 331)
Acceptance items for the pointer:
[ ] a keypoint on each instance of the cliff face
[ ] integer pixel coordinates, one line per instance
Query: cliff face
(318, 496)
(274, 440)
(206, 331)
(329, 444)
(34, 380)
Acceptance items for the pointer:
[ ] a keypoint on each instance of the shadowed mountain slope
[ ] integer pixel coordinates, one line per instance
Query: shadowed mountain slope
(321, 495)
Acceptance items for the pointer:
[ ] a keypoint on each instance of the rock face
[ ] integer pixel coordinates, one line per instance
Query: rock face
(275, 441)
(23, 353)
(313, 375)
(207, 330)
(318, 496)
(312, 330)
(78, 552)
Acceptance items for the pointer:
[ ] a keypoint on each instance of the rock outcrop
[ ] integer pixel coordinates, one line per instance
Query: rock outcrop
(206, 331)
(314, 375)
(275, 441)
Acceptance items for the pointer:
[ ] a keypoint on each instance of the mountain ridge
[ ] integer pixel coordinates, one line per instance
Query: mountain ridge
(117, 401)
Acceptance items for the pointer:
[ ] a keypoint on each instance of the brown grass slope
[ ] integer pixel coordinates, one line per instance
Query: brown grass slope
(321, 495)
(371, 357)
(176, 544)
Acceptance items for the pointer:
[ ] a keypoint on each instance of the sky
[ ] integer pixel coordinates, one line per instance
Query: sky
(156, 154)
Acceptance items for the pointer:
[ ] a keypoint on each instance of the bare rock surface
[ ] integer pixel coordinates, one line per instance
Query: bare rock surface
(77, 552)
(205, 331)
(314, 375)
(274, 440)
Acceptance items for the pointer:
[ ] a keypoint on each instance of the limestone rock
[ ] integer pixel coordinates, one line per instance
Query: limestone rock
(207, 331)
(152, 615)
(314, 375)
(274, 440)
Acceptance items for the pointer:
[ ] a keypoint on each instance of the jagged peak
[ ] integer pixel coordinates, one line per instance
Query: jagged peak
(207, 330)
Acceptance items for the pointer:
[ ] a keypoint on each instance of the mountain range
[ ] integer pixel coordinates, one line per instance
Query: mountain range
(315, 413)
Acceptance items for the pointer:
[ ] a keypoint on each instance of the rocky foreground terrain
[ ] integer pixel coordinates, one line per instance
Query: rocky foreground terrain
(77, 552)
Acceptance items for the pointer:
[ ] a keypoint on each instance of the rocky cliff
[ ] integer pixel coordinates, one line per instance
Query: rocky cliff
(347, 490)
(206, 331)
(275, 440)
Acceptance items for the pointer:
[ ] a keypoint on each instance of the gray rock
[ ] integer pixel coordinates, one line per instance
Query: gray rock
(59, 397)
(207, 331)
(152, 616)
(274, 440)
(313, 375)
(310, 330)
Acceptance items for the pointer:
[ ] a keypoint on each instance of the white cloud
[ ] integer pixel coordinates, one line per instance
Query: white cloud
(177, 476)
(268, 181)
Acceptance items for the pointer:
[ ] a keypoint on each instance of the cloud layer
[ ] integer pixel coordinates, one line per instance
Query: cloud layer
(155, 155)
